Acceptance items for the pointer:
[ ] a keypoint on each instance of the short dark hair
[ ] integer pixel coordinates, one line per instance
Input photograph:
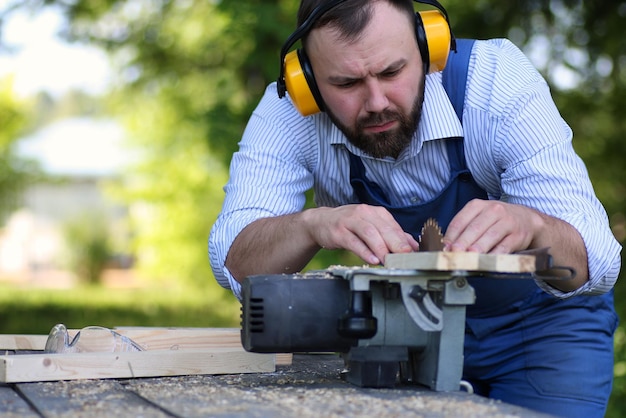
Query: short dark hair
(349, 17)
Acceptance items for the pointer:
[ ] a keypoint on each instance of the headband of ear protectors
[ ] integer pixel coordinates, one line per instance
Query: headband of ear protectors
(434, 39)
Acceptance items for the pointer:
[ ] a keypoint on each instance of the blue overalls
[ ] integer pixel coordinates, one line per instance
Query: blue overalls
(522, 345)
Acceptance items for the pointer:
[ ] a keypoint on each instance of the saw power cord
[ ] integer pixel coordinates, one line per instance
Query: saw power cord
(467, 386)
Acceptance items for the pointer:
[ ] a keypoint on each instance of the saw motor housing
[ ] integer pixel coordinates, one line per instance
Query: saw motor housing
(391, 325)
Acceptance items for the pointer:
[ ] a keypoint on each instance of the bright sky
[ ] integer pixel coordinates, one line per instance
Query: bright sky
(41, 61)
(78, 146)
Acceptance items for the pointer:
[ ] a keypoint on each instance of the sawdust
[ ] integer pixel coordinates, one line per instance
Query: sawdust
(316, 390)
(311, 387)
(289, 398)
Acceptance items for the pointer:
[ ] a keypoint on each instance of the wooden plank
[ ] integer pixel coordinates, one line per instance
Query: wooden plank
(507, 263)
(433, 260)
(47, 367)
(448, 261)
(153, 338)
(150, 338)
(22, 342)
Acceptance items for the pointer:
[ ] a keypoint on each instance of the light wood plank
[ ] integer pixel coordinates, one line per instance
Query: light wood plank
(433, 260)
(22, 342)
(448, 261)
(49, 367)
(507, 263)
(154, 338)
(150, 338)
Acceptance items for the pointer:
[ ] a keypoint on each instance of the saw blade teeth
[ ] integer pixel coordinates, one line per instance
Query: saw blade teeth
(431, 222)
(431, 238)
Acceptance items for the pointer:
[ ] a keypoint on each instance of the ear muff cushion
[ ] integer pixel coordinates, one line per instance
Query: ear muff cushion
(422, 43)
(300, 83)
(438, 37)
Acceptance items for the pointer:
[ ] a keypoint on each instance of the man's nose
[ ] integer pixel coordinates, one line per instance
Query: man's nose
(376, 100)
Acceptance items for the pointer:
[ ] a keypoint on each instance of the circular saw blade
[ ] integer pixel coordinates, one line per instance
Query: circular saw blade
(431, 238)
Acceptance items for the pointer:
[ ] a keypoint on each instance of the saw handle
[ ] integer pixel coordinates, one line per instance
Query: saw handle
(543, 275)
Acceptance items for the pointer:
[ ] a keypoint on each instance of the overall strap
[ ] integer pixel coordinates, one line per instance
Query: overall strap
(454, 80)
(454, 76)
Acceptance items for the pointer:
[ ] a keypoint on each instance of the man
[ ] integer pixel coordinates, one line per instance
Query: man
(380, 156)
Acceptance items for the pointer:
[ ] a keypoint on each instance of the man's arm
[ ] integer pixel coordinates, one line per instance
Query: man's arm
(285, 244)
(526, 159)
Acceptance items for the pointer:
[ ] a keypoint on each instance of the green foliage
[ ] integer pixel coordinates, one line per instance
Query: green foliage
(12, 116)
(14, 172)
(87, 239)
(36, 311)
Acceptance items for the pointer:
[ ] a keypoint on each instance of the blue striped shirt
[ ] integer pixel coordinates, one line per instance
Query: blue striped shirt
(517, 147)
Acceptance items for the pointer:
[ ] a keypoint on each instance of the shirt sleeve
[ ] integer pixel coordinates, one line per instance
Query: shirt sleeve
(269, 176)
(527, 149)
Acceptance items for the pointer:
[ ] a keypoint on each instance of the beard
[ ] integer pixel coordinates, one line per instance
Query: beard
(389, 143)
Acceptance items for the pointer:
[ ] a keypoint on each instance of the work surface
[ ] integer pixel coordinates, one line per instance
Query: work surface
(310, 387)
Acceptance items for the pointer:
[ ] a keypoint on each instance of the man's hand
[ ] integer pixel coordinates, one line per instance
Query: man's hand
(488, 226)
(285, 244)
(493, 227)
(370, 232)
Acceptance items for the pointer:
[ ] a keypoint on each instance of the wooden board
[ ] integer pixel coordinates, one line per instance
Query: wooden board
(182, 338)
(22, 342)
(448, 261)
(47, 367)
(168, 352)
(507, 263)
(152, 338)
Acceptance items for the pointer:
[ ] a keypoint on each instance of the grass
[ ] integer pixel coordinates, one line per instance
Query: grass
(36, 310)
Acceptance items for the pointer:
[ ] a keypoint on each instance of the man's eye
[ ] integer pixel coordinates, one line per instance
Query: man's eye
(346, 84)
(390, 74)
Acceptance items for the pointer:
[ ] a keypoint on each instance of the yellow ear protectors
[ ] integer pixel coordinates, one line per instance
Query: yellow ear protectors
(300, 83)
(434, 39)
(435, 46)
(296, 75)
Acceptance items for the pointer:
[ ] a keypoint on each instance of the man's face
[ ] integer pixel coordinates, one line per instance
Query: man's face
(372, 87)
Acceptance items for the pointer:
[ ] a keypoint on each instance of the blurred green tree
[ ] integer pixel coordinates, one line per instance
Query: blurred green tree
(15, 172)
(88, 241)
